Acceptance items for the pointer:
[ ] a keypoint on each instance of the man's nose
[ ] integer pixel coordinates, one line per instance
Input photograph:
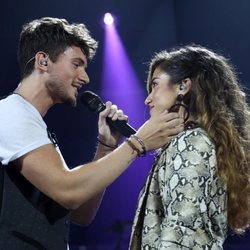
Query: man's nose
(83, 77)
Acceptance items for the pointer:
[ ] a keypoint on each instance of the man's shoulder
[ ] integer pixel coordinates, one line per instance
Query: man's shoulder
(17, 114)
(15, 106)
(10, 103)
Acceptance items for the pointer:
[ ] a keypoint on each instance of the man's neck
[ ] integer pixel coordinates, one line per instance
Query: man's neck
(33, 90)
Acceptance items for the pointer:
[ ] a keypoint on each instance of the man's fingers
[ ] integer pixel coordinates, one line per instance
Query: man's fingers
(118, 115)
(182, 112)
(170, 119)
(175, 131)
(165, 116)
(113, 112)
(175, 122)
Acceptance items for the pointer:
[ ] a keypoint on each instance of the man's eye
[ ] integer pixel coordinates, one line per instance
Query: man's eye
(76, 64)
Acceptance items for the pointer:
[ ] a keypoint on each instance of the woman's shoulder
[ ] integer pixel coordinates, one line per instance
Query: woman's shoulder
(195, 137)
(192, 150)
(195, 133)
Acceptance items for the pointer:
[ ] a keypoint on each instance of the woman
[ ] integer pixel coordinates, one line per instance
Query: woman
(200, 181)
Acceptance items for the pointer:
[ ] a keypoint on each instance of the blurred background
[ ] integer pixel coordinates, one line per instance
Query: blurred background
(118, 73)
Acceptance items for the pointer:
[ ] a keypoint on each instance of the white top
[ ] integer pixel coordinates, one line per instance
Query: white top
(22, 128)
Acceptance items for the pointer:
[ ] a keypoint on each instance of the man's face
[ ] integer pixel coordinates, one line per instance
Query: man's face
(67, 75)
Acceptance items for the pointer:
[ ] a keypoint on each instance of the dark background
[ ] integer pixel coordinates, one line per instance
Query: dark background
(145, 27)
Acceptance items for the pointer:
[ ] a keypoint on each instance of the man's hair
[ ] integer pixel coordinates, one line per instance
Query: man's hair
(52, 36)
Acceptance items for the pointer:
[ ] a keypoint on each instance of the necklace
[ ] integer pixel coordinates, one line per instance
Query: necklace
(15, 93)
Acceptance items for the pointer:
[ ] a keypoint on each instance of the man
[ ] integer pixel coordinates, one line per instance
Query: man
(39, 192)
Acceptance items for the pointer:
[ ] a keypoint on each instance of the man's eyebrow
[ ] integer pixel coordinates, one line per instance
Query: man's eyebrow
(80, 60)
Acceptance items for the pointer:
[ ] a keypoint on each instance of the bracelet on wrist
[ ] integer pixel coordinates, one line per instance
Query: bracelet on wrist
(106, 145)
(143, 153)
(133, 146)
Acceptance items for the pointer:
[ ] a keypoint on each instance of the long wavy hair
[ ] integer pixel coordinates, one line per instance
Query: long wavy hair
(218, 103)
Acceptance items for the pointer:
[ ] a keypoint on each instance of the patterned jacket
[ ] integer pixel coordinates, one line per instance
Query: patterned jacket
(183, 203)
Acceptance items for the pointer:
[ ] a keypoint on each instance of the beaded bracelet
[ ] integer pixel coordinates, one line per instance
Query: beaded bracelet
(133, 147)
(143, 153)
(106, 145)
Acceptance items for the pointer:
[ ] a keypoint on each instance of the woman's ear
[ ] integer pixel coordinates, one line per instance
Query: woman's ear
(185, 86)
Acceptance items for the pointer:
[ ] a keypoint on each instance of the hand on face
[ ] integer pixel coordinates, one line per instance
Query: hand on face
(160, 129)
(106, 134)
(183, 112)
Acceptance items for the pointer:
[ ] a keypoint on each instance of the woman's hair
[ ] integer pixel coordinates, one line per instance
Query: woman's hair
(218, 104)
(52, 36)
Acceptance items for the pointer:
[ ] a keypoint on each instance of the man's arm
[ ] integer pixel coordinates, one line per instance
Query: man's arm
(45, 169)
(86, 213)
(71, 188)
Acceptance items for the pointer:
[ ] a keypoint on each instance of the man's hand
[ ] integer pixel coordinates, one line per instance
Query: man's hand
(158, 131)
(107, 134)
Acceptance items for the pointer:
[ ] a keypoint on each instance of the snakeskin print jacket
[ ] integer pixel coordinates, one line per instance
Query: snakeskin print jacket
(183, 203)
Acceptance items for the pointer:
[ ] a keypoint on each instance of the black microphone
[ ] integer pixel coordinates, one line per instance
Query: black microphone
(95, 104)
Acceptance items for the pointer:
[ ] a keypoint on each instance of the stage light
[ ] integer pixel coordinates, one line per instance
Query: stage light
(108, 19)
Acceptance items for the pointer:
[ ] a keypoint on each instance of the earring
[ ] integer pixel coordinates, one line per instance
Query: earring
(183, 85)
(180, 98)
(44, 62)
(180, 103)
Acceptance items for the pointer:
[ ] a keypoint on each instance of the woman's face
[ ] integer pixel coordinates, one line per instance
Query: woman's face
(163, 93)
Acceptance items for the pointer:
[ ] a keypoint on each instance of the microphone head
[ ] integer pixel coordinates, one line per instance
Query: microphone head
(92, 101)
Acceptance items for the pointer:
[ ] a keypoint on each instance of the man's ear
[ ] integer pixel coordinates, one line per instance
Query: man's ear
(185, 86)
(41, 60)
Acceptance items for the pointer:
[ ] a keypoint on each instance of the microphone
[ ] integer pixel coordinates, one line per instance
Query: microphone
(95, 104)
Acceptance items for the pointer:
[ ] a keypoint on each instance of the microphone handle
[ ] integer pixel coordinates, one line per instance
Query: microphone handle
(121, 126)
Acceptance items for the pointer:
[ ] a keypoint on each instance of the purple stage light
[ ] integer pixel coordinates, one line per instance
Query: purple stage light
(120, 85)
(108, 19)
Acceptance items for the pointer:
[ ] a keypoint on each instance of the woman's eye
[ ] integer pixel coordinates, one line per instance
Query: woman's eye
(154, 84)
